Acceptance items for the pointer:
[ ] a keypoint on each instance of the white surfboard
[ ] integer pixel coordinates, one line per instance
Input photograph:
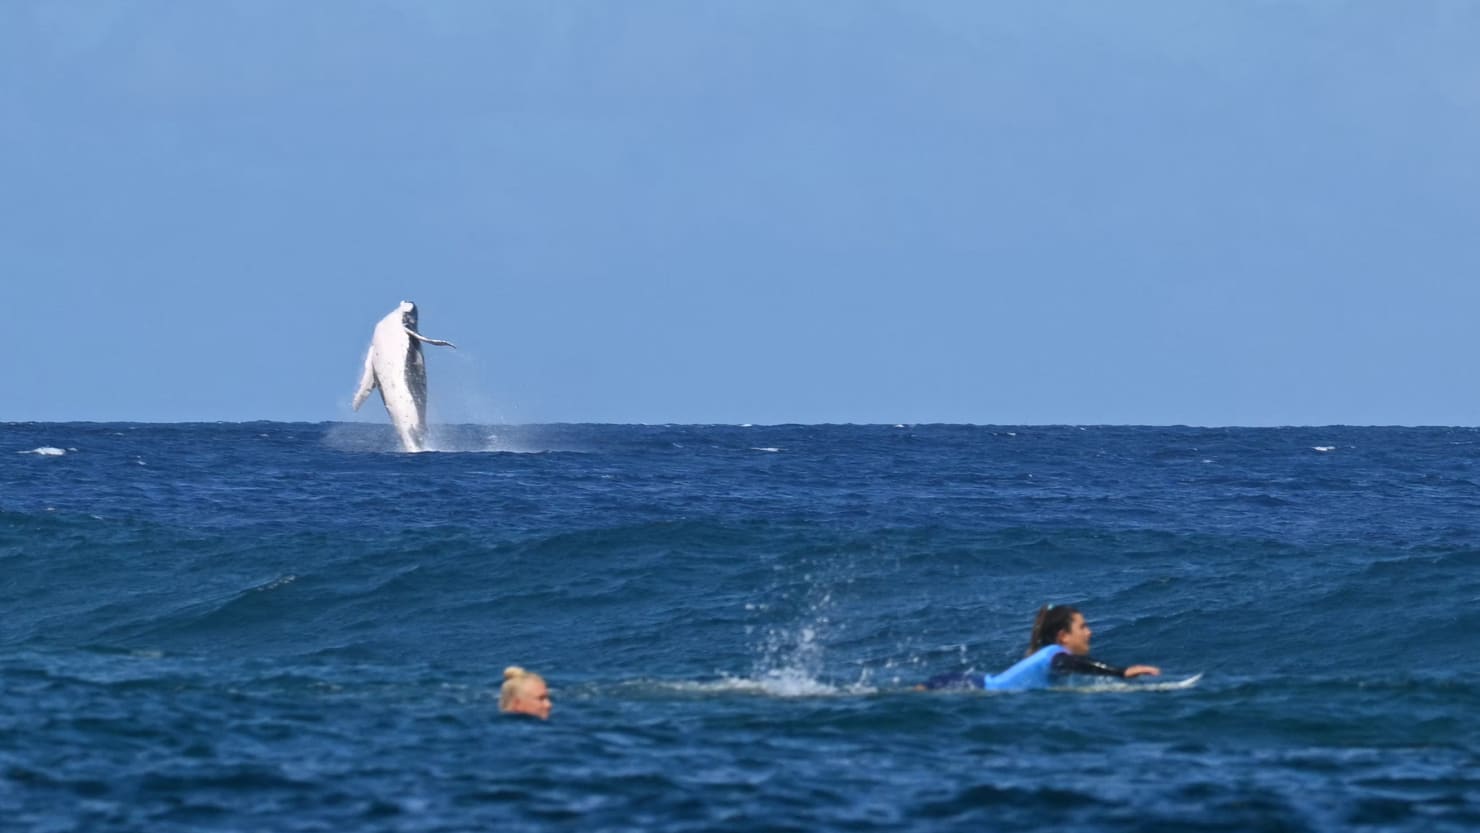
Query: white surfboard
(1100, 685)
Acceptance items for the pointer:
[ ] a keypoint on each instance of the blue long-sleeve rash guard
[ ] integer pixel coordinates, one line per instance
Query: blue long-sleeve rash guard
(1036, 670)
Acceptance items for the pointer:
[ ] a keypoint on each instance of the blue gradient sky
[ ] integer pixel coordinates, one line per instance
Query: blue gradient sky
(1250, 213)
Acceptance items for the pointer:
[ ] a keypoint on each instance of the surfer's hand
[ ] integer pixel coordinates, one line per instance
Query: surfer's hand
(1142, 671)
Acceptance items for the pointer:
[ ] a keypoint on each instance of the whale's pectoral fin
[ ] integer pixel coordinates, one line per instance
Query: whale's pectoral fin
(367, 380)
(437, 341)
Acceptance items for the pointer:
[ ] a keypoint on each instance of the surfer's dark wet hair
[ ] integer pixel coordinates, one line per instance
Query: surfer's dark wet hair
(1052, 620)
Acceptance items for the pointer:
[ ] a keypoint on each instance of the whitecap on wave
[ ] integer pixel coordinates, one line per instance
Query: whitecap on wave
(769, 449)
(280, 581)
(45, 451)
(1323, 448)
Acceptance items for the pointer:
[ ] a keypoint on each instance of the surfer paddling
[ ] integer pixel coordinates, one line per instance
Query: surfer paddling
(1058, 647)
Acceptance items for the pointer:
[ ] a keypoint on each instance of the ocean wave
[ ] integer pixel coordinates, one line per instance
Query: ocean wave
(287, 630)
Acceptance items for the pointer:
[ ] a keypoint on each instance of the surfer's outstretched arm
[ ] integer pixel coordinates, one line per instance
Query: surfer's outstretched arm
(1067, 663)
(437, 341)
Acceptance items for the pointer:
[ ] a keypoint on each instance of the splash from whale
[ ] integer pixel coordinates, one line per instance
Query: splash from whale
(395, 365)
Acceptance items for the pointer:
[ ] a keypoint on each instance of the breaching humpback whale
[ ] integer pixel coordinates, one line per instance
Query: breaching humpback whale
(395, 365)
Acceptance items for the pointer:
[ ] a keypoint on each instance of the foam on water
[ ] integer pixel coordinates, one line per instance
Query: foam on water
(361, 438)
(785, 683)
(372, 438)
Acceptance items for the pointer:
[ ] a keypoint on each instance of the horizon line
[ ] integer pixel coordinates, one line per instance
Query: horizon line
(900, 424)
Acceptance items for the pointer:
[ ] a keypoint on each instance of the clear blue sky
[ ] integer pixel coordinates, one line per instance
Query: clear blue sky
(1214, 213)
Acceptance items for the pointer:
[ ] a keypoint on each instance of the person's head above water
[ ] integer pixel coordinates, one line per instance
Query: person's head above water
(524, 692)
(1060, 625)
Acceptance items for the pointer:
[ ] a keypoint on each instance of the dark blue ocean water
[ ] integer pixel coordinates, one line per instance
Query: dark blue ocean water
(289, 627)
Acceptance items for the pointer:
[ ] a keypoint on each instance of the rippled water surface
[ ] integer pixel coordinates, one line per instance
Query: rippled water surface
(291, 627)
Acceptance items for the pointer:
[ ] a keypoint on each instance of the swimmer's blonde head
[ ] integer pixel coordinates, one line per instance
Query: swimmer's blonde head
(515, 679)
